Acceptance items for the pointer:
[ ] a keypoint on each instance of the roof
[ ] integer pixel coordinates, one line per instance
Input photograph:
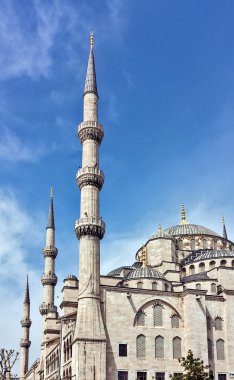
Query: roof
(161, 233)
(90, 81)
(196, 277)
(50, 223)
(144, 272)
(214, 254)
(190, 229)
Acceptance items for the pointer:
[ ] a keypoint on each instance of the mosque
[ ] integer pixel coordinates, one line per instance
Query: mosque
(136, 321)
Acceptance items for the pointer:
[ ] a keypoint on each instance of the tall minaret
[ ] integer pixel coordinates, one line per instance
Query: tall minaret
(224, 229)
(25, 342)
(89, 344)
(49, 278)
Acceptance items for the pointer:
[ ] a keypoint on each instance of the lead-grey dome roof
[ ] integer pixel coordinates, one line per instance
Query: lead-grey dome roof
(190, 229)
(214, 254)
(144, 272)
(161, 233)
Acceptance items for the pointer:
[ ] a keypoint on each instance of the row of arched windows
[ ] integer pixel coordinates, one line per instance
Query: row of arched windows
(212, 265)
(218, 323)
(220, 349)
(159, 347)
(52, 362)
(157, 317)
(67, 374)
(154, 286)
(67, 349)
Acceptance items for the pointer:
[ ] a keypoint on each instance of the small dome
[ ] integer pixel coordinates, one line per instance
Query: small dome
(161, 233)
(71, 277)
(214, 254)
(190, 229)
(145, 272)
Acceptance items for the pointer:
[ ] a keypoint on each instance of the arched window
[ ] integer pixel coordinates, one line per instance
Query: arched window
(202, 267)
(154, 285)
(212, 265)
(140, 318)
(175, 322)
(176, 347)
(166, 287)
(158, 317)
(223, 263)
(210, 349)
(232, 264)
(70, 373)
(139, 285)
(198, 286)
(213, 288)
(220, 349)
(183, 272)
(159, 347)
(204, 243)
(191, 269)
(140, 346)
(218, 324)
(192, 244)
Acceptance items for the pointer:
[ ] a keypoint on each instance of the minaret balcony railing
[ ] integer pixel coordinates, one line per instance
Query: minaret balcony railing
(49, 279)
(25, 343)
(90, 130)
(26, 322)
(90, 176)
(50, 251)
(47, 308)
(90, 226)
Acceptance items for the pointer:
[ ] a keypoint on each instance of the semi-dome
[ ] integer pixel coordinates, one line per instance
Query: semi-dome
(161, 233)
(190, 229)
(214, 254)
(145, 272)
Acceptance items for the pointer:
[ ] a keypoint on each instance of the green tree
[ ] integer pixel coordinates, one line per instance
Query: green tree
(194, 369)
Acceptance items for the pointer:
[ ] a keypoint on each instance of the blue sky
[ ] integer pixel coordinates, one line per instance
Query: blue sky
(166, 85)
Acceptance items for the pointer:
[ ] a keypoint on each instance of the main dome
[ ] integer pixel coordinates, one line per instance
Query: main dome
(190, 229)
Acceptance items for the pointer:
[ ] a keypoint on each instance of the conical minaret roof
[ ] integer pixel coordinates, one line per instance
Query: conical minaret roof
(50, 223)
(224, 229)
(90, 81)
(26, 296)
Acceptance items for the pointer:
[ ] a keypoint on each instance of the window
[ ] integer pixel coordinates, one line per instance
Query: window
(218, 324)
(232, 264)
(160, 376)
(223, 263)
(139, 285)
(191, 269)
(123, 349)
(202, 267)
(122, 375)
(213, 288)
(159, 347)
(166, 287)
(140, 346)
(176, 343)
(222, 376)
(175, 322)
(183, 272)
(154, 285)
(210, 350)
(141, 375)
(212, 265)
(220, 349)
(198, 286)
(158, 320)
(140, 318)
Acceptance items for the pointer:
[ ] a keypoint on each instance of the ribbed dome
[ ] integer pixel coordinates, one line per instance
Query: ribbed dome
(214, 254)
(190, 229)
(161, 233)
(145, 272)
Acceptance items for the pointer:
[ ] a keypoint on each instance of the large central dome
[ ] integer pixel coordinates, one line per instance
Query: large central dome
(190, 229)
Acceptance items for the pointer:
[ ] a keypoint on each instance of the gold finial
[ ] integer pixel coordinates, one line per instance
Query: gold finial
(51, 192)
(183, 215)
(91, 39)
(144, 256)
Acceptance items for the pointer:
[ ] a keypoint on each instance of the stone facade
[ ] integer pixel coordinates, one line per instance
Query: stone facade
(136, 321)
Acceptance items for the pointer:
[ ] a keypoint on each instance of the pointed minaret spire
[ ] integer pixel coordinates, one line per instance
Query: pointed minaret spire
(183, 215)
(25, 342)
(90, 81)
(224, 229)
(50, 223)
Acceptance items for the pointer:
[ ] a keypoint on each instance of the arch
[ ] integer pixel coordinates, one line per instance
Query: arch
(140, 318)
(191, 269)
(140, 346)
(212, 264)
(183, 272)
(158, 315)
(166, 287)
(175, 322)
(223, 263)
(154, 285)
(213, 288)
(198, 286)
(220, 349)
(176, 343)
(139, 285)
(232, 264)
(159, 347)
(202, 267)
(218, 324)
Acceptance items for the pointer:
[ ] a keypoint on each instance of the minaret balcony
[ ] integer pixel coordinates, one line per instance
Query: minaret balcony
(25, 323)
(50, 251)
(25, 343)
(90, 176)
(90, 226)
(90, 130)
(47, 308)
(49, 279)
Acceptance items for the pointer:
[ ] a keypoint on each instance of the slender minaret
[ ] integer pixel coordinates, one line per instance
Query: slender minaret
(25, 342)
(49, 278)
(224, 229)
(89, 344)
(183, 215)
